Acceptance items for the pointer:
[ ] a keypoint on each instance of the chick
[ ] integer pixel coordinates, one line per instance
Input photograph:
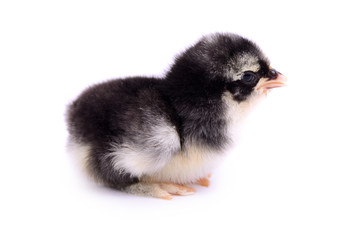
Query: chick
(154, 136)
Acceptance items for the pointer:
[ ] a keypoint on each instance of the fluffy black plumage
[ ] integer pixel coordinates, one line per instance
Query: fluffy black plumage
(134, 130)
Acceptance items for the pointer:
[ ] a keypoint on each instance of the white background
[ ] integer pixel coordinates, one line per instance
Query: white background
(296, 173)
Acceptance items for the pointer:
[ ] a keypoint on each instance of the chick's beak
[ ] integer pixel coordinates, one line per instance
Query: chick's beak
(274, 80)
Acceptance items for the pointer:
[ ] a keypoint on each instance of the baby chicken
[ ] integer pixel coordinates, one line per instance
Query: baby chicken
(153, 136)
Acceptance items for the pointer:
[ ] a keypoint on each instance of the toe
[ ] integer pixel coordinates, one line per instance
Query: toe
(160, 192)
(205, 182)
(176, 189)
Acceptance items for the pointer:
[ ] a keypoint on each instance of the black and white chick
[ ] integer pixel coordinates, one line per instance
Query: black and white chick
(154, 136)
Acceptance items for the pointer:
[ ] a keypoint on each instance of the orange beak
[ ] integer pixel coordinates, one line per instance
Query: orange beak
(265, 84)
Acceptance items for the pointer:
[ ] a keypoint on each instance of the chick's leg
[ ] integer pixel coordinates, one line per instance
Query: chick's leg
(159, 190)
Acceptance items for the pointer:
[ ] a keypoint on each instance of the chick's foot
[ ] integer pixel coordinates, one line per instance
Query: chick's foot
(160, 190)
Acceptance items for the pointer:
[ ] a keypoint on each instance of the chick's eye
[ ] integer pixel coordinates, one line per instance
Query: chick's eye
(249, 77)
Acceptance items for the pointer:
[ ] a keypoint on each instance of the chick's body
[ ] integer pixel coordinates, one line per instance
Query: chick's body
(151, 136)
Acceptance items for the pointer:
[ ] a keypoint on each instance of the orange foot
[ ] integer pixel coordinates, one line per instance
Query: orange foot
(167, 190)
(205, 182)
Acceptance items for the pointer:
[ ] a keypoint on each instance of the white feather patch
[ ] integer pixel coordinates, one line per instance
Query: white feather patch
(160, 144)
(187, 166)
(236, 112)
(78, 152)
